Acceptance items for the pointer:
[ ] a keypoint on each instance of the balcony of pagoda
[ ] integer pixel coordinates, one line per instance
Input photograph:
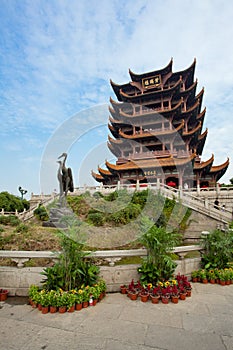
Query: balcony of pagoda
(159, 154)
(144, 111)
(162, 87)
(149, 154)
(152, 131)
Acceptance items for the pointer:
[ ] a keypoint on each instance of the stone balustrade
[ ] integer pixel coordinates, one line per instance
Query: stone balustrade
(110, 256)
(17, 279)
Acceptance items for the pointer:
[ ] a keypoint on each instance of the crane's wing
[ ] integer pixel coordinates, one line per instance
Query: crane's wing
(71, 184)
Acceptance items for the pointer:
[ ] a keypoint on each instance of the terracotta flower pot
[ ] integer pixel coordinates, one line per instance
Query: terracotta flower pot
(78, 307)
(188, 293)
(123, 290)
(144, 297)
(101, 297)
(165, 300)
(182, 296)
(85, 304)
(52, 309)
(222, 283)
(205, 280)
(39, 306)
(154, 299)
(133, 296)
(175, 299)
(3, 294)
(45, 309)
(212, 281)
(94, 302)
(71, 309)
(62, 309)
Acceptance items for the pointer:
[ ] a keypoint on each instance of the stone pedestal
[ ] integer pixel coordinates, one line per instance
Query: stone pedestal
(56, 215)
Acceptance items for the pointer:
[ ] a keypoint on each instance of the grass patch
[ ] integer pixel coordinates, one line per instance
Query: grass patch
(127, 260)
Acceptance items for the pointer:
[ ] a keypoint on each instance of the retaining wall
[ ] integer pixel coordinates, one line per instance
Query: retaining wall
(18, 280)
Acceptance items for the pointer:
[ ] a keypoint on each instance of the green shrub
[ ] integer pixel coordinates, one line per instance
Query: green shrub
(21, 228)
(10, 220)
(41, 213)
(96, 218)
(218, 249)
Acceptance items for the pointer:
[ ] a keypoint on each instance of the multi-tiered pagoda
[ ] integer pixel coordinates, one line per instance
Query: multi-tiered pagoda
(157, 132)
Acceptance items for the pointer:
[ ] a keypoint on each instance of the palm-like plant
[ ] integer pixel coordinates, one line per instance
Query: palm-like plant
(158, 264)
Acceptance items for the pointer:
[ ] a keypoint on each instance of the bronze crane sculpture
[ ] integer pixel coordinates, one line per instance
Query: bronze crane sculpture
(65, 177)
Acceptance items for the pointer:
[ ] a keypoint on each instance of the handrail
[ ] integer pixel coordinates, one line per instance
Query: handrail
(111, 256)
(190, 197)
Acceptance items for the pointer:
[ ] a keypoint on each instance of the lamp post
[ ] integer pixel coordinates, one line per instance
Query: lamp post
(22, 191)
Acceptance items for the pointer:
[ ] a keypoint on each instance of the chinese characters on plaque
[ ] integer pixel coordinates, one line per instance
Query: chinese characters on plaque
(150, 172)
(151, 82)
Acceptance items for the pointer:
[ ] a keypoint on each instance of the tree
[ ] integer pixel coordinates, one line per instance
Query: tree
(11, 203)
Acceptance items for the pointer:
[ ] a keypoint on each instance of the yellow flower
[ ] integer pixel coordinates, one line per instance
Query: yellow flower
(161, 284)
(174, 282)
(167, 283)
(87, 287)
(149, 285)
(80, 291)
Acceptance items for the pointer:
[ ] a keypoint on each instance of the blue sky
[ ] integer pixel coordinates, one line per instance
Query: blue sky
(56, 60)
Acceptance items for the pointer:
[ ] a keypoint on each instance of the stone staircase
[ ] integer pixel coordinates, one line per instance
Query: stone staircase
(204, 209)
(28, 214)
(203, 206)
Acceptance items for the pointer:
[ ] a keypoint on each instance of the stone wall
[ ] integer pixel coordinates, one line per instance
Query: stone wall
(18, 280)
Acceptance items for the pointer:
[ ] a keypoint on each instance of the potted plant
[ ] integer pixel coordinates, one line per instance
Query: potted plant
(222, 277)
(166, 294)
(86, 297)
(123, 289)
(79, 299)
(227, 276)
(102, 288)
(3, 294)
(231, 274)
(70, 304)
(155, 295)
(32, 295)
(144, 294)
(203, 276)
(44, 301)
(175, 294)
(132, 291)
(194, 276)
(95, 291)
(211, 276)
(53, 297)
(182, 292)
(62, 301)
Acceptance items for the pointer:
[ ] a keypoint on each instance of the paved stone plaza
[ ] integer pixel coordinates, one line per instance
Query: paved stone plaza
(203, 322)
